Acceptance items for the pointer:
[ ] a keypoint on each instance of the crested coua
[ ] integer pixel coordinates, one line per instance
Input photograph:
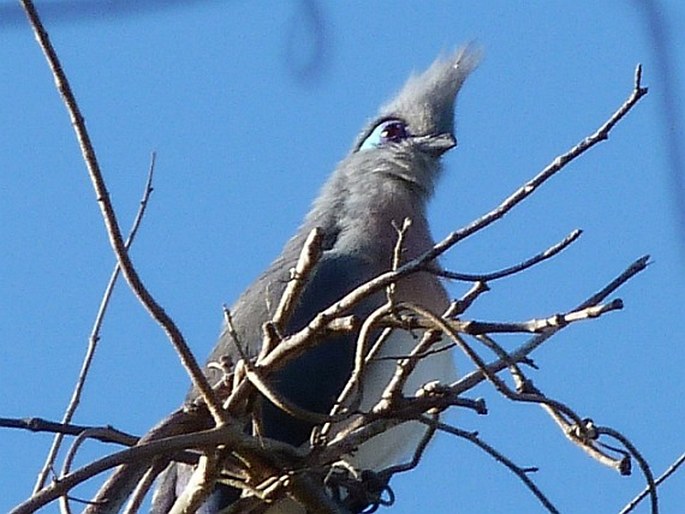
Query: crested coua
(389, 175)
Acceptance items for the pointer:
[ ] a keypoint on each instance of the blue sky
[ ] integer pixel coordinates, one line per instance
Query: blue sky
(246, 132)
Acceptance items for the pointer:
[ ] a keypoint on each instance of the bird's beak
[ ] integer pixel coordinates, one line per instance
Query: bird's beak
(435, 144)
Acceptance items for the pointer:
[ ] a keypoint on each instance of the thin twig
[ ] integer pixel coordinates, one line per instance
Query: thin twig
(138, 496)
(601, 134)
(458, 307)
(401, 232)
(537, 326)
(585, 437)
(418, 452)
(95, 334)
(354, 384)
(647, 490)
(109, 216)
(199, 486)
(69, 459)
(247, 369)
(499, 384)
(521, 473)
(517, 268)
(405, 366)
(534, 326)
(240, 443)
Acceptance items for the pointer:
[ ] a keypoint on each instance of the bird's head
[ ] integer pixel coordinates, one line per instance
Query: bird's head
(414, 129)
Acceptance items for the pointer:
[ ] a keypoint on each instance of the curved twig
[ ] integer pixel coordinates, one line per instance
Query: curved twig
(644, 466)
(517, 268)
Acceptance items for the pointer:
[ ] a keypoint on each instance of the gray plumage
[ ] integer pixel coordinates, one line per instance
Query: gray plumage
(389, 175)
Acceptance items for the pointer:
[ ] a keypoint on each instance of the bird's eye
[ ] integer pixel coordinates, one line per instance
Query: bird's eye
(388, 131)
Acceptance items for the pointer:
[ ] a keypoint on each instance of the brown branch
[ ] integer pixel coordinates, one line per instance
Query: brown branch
(124, 480)
(142, 488)
(199, 486)
(69, 459)
(550, 170)
(527, 394)
(537, 326)
(584, 435)
(458, 307)
(95, 334)
(401, 232)
(251, 451)
(370, 425)
(405, 367)
(105, 434)
(110, 219)
(418, 452)
(354, 385)
(499, 384)
(476, 328)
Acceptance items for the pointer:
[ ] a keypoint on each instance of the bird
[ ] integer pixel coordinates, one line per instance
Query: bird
(389, 175)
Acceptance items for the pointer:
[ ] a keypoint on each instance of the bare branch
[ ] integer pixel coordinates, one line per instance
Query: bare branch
(537, 326)
(290, 348)
(142, 488)
(269, 470)
(420, 449)
(354, 384)
(552, 169)
(246, 447)
(199, 486)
